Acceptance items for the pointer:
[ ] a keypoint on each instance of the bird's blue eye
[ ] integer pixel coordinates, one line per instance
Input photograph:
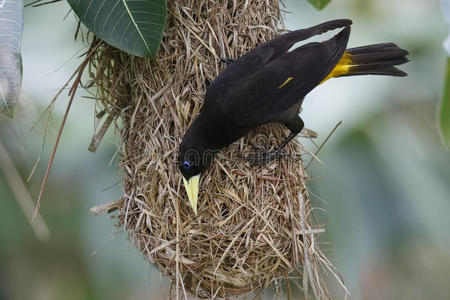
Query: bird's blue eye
(186, 165)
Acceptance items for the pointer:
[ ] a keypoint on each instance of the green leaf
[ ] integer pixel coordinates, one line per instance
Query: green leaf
(319, 4)
(133, 26)
(11, 25)
(444, 114)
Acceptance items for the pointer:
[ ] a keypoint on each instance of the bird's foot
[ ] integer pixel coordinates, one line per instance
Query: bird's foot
(264, 157)
(227, 60)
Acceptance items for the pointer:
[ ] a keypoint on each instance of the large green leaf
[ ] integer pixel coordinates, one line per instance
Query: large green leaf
(134, 26)
(445, 109)
(319, 4)
(11, 25)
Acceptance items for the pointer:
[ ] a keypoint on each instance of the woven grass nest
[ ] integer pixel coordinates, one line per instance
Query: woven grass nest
(255, 225)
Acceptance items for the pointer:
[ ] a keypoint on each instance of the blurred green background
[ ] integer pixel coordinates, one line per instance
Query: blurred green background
(385, 181)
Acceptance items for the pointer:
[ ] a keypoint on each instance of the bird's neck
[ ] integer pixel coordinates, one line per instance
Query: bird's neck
(215, 132)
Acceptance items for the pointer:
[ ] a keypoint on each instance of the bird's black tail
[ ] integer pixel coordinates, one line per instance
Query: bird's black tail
(378, 59)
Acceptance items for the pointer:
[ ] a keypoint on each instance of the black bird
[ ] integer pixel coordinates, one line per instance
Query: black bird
(268, 84)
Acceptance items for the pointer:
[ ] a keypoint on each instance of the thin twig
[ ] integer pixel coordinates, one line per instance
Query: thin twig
(324, 142)
(21, 194)
(35, 4)
(106, 207)
(72, 93)
(97, 138)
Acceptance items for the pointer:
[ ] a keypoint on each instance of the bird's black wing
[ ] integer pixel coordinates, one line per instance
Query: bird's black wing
(271, 50)
(273, 88)
(276, 47)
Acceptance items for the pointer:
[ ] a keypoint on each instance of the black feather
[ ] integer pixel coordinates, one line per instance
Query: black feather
(377, 59)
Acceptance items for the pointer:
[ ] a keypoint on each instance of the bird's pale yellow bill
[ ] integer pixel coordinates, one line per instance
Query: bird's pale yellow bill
(191, 187)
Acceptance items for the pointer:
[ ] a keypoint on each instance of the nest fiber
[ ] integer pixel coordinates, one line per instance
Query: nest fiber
(254, 224)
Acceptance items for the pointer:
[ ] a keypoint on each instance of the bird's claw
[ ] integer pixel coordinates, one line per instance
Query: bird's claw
(263, 158)
(227, 60)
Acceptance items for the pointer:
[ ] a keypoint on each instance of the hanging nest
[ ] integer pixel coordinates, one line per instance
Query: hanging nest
(254, 224)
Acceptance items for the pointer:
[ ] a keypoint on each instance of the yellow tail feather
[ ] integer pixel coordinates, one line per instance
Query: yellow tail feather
(341, 68)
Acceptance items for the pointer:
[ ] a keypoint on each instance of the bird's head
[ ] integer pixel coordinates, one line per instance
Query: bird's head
(194, 157)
